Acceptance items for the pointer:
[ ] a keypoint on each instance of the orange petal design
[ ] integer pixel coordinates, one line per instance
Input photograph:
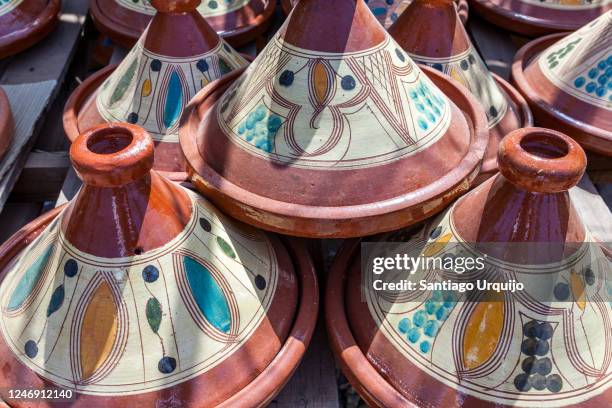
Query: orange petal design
(321, 82)
(577, 285)
(98, 330)
(482, 333)
(437, 246)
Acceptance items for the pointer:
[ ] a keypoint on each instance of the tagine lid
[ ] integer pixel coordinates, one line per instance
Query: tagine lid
(305, 140)
(567, 81)
(237, 21)
(431, 33)
(153, 84)
(6, 124)
(387, 11)
(539, 17)
(513, 348)
(25, 22)
(140, 290)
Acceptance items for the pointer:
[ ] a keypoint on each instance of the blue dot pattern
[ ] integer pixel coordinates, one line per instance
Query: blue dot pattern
(598, 80)
(260, 128)
(429, 105)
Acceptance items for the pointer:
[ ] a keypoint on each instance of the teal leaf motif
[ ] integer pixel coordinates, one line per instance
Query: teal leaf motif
(174, 100)
(57, 299)
(225, 247)
(124, 83)
(154, 314)
(29, 280)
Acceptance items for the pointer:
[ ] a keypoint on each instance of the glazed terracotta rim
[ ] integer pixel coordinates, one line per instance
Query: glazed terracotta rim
(6, 124)
(127, 37)
(34, 32)
(337, 222)
(275, 376)
(489, 167)
(369, 383)
(526, 54)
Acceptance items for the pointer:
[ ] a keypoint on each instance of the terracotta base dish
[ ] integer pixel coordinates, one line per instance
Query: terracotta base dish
(23, 23)
(534, 18)
(387, 11)
(6, 124)
(305, 140)
(545, 345)
(238, 21)
(564, 79)
(140, 291)
(154, 83)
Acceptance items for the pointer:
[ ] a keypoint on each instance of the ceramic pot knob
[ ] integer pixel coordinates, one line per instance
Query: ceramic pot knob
(112, 155)
(175, 6)
(541, 160)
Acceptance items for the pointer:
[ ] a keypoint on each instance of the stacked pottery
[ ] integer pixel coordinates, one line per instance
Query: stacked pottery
(431, 33)
(6, 124)
(139, 292)
(23, 23)
(154, 83)
(322, 136)
(237, 21)
(534, 18)
(567, 81)
(387, 11)
(545, 344)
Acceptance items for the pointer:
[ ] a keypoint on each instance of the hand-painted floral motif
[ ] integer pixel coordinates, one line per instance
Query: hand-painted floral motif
(315, 110)
(8, 5)
(505, 347)
(84, 322)
(581, 63)
(152, 90)
(207, 8)
(470, 70)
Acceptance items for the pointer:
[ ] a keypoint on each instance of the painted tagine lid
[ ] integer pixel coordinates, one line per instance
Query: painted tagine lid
(304, 142)
(567, 81)
(6, 124)
(547, 344)
(538, 17)
(140, 291)
(431, 34)
(237, 21)
(23, 23)
(155, 81)
(387, 11)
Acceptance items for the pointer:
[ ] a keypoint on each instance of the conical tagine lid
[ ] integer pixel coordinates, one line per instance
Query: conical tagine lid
(537, 17)
(431, 33)
(140, 291)
(237, 21)
(6, 124)
(546, 343)
(568, 83)
(25, 22)
(333, 131)
(154, 83)
(388, 11)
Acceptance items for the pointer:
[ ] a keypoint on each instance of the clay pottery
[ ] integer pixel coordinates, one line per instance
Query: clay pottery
(534, 18)
(23, 23)
(154, 83)
(140, 291)
(547, 345)
(333, 131)
(431, 33)
(387, 11)
(6, 124)
(237, 21)
(567, 81)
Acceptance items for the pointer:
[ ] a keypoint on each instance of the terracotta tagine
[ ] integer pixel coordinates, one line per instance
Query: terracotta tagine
(333, 131)
(387, 11)
(6, 124)
(23, 23)
(154, 83)
(139, 292)
(237, 21)
(547, 345)
(431, 33)
(538, 17)
(567, 82)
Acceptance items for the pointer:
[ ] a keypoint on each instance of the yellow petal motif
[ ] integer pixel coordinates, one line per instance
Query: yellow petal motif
(437, 246)
(577, 285)
(146, 88)
(482, 333)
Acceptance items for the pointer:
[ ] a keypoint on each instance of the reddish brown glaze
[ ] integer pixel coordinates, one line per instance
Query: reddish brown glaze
(238, 27)
(27, 24)
(254, 373)
(6, 124)
(554, 108)
(533, 20)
